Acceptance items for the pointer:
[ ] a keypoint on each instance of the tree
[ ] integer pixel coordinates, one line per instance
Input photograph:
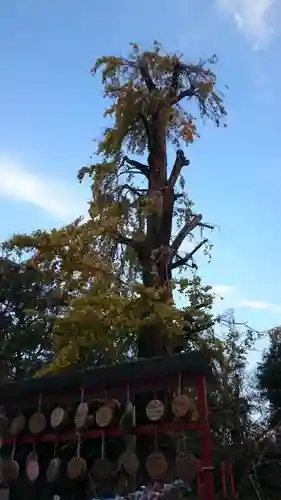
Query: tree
(238, 436)
(73, 272)
(136, 206)
(147, 92)
(234, 402)
(27, 305)
(268, 377)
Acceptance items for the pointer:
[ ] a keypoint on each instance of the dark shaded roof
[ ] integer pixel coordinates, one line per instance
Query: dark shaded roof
(107, 376)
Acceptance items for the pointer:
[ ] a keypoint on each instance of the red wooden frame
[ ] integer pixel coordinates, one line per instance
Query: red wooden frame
(205, 477)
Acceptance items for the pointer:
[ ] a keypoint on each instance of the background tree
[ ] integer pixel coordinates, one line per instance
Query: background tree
(27, 306)
(238, 431)
(140, 213)
(269, 377)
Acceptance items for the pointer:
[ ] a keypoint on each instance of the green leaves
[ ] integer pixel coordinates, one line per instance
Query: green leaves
(113, 269)
(141, 85)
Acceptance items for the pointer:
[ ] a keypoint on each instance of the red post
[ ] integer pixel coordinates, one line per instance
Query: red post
(223, 481)
(207, 470)
(231, 481)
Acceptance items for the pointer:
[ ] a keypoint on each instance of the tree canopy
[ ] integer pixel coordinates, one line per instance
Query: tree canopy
(27, 307)
(116, 267)
(269, 377)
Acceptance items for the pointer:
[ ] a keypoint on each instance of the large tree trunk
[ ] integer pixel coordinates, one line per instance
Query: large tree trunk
(155, 258)
(153, 339)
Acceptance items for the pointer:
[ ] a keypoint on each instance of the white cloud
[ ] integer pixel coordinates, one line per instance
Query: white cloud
(231, 294)
(19, 184)
(222, 289)
(259, 304)
(252, 17)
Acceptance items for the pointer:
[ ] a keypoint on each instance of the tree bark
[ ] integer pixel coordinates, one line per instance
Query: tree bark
(155, 260)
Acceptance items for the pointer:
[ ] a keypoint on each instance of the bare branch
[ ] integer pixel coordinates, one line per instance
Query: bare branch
(123, 240)
(181, 261)
(137, 192)
(143, 67)
(180, 161)
(146, 127)
(207, 226)
(143, 169)
(184, 260)
(190, 92)
(187, 228)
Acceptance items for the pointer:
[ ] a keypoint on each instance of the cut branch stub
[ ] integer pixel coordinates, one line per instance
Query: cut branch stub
(186, 229)
(180, 161)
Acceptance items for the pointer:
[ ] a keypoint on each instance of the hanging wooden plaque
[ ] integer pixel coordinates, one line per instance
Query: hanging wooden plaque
(37, 423)
(182, 405)
(76, 468)
(130, 463)
(155, 410)
(186, 467)
(81, 415)
(32, 469)
(53, 470)
(113, 403)
(17, 425)
(10, 470)
(104, 416)
(156, 465)
(57, 417)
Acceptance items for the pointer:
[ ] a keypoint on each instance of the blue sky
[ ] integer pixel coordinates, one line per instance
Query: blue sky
(51, 109)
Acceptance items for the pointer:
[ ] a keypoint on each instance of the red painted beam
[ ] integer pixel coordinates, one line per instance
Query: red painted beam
(175, 426)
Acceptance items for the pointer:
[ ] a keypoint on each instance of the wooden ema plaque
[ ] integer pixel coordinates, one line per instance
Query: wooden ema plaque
(76, 468)
(53, 470)
(81, 415)
(104, 416)
(58, 416)
(155, 410)
(18, 424)
(156, 465)
(130, 463)
(37, 423)
(10, 470)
